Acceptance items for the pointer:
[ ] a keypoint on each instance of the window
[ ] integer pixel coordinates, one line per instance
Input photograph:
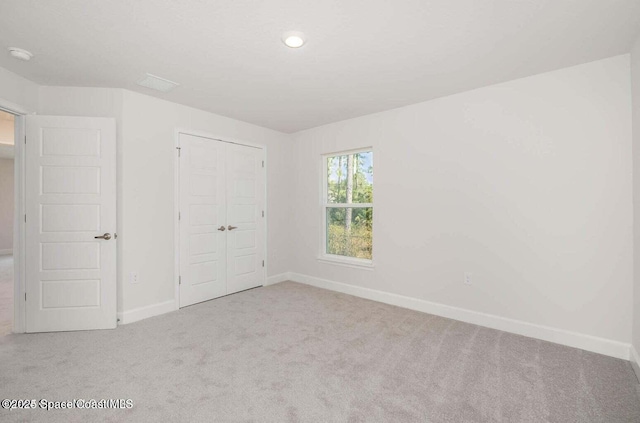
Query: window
(347, 209)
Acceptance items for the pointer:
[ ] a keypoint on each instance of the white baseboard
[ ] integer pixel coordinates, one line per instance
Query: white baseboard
(635, 362)
(559, 336)
(140, 313)
(271, 280)
(6, 252)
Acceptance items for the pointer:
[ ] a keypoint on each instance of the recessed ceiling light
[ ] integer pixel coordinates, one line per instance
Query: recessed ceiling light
(293, 39)
(157, 83)
(21, 54)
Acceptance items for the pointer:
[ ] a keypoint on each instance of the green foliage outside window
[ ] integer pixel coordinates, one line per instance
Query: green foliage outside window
(350, 181)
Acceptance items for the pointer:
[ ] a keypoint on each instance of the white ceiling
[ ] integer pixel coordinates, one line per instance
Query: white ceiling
(362, 56)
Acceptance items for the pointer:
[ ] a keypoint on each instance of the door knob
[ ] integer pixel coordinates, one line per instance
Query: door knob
(222, 228)
(232, 227)
(106, 236)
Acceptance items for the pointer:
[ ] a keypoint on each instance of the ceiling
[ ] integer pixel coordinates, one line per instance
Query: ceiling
(362, 56)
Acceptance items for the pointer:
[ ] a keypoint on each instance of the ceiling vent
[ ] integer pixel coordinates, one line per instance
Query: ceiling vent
(157, 83)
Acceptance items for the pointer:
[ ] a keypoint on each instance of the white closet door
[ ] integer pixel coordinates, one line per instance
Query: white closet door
(246, 223)
(70, 200)
(203, 239)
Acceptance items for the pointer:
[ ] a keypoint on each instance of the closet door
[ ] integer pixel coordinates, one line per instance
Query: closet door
(245, 217)
(203, 208)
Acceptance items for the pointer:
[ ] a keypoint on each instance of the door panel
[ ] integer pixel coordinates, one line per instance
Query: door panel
(245, 198)
(222, 186)
(71, 198)
(202, 212)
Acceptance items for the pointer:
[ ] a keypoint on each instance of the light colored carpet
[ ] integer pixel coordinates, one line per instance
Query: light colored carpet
(6, 294)
(293, 353)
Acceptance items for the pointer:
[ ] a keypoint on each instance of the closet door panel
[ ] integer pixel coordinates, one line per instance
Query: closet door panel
(245, 217)
(203, 214)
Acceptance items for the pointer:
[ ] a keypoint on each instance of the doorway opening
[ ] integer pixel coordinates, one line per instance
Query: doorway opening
(7, 185)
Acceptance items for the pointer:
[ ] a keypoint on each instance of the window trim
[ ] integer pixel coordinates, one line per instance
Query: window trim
(324, 257)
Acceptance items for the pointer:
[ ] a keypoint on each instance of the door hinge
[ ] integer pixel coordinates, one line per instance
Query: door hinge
(178, 148)
(25, 218)
(25, 296)
(262, 263)
(262, 213)
(179, 216)
(25, 139)
(263, 163)
(179, 280)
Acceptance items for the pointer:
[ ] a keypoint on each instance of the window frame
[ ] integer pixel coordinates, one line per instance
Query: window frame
(325, 257)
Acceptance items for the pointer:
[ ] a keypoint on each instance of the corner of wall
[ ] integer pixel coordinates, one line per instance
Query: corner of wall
(634, 359)
(635, 148)
(18, 90)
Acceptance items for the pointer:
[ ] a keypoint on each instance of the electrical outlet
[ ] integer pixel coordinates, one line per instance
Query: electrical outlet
(133, 277)
(467, 278)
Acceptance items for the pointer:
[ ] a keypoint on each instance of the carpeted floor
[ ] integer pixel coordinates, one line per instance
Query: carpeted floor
(6, 294)
(293, 353)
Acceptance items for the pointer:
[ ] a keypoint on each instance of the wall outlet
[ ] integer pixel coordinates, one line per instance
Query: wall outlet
(468, 280)
(133, 277)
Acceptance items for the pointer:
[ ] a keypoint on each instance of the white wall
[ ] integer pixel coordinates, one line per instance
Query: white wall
(6, 205)
(19, 91)
(146, 152)
(526, 184)
(7, 128)
(635, 87)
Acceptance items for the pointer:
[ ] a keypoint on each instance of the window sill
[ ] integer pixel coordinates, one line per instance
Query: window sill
(347, 262)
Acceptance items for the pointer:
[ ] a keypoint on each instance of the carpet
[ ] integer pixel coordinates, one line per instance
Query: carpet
(295, 353)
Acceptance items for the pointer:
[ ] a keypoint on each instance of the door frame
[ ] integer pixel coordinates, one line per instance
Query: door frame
(19, 234)
(176, 198)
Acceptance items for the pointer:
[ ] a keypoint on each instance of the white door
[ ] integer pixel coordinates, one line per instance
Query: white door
(70, 200)
(222, 229)
(203, 211)
(245, 217)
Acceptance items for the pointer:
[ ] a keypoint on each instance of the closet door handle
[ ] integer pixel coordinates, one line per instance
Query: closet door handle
(232, 227)
(222, 228)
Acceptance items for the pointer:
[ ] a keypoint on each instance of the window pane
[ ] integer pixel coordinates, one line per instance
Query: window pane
(349, 231)
(350, 178)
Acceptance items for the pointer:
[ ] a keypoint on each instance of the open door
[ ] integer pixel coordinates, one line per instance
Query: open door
(70, 217)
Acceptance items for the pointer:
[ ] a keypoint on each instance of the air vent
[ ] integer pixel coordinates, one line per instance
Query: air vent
(157, 83)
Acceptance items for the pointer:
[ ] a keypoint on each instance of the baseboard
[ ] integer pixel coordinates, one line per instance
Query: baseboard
(165, 307)
(271, 280)
(559, 336)
(635, 362)
(6, 252)
(140, 313)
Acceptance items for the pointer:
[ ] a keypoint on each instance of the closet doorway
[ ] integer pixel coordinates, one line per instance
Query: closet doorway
(221, 218)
